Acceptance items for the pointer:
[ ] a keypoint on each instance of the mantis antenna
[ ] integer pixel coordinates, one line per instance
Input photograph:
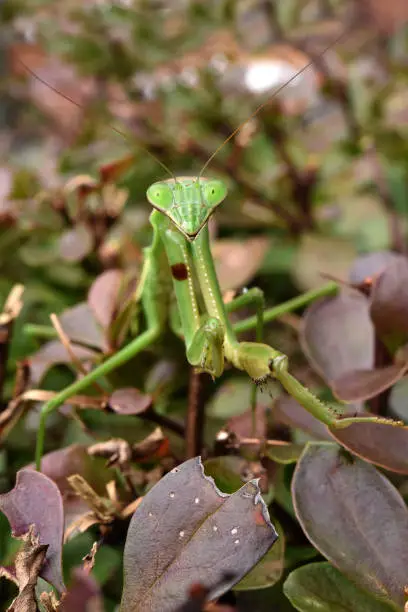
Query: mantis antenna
(275, 93)
(115, 129)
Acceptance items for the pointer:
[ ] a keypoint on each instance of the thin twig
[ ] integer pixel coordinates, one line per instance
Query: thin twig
(163, 421)
(195, 415)
(67, 345)
(11, 310)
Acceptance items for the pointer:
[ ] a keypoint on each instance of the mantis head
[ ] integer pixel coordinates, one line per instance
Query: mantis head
(187, 201)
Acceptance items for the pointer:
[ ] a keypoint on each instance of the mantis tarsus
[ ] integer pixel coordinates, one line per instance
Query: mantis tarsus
(179, 260)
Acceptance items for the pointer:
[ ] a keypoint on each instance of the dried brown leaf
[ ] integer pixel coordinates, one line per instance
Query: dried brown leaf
(237, 262)
(130, 401)
(28, 563)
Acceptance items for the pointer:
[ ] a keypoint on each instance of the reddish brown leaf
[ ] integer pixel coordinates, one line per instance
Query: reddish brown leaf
(36, 500)
(382, 444)
(387, 17)
(288, 411)
(195, 534)
(80, 325)
(237, 262)
(61, 464)
(241, 425)
(83, 595)
(76, 243)
(371, 265)
(338, 335)
(360, 385)
(53, 353)
(113, 171)
(129, 401)
(103, 296)
(355, 517)
(389, 302)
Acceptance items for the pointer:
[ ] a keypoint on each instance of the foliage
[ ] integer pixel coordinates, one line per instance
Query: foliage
(317, 193)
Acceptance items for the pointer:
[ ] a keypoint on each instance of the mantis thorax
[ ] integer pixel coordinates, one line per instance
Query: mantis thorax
(188, 201)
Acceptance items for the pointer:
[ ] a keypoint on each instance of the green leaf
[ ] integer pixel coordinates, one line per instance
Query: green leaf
(319, 587)
(269, 570)
(226, 472)
(232, 398)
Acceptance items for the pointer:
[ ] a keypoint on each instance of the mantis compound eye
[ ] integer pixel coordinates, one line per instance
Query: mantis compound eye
(160, 195)
(214, 192)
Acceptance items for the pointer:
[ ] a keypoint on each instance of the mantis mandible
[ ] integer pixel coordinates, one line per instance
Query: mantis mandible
(179, 261)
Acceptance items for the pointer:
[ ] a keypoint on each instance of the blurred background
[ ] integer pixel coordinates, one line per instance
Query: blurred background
(317, 178)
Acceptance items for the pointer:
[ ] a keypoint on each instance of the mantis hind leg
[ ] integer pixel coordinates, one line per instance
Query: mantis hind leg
(249, 297)
(328, 414)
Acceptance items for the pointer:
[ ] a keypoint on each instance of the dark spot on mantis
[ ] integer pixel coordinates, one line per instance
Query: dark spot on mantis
(179, 271)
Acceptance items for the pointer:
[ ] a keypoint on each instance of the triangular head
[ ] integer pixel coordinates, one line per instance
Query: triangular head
(188, 201)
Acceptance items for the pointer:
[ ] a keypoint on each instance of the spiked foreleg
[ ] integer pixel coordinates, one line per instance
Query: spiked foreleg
(206, 350)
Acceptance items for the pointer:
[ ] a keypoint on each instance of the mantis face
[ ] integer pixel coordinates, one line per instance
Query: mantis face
(188, 201)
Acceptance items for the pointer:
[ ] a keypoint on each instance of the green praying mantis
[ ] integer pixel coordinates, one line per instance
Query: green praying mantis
(179, 262)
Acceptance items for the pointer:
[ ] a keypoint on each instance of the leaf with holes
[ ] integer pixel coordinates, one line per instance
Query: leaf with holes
(355, 517)
(186, 531)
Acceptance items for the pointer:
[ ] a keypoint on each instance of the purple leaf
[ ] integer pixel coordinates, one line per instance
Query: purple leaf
(186, 531)
(83, 595)
(36, 500)
(371, 265)
(379, 443)
(80, 326)
(103, 296)
(338, 335)
(289, 412)
(53, 353)
(129, 401)
(76, 243)
(389, 302)
(355, 517)
(360, 385)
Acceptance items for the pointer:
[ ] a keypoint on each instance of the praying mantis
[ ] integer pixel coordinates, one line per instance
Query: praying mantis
(179, 262)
